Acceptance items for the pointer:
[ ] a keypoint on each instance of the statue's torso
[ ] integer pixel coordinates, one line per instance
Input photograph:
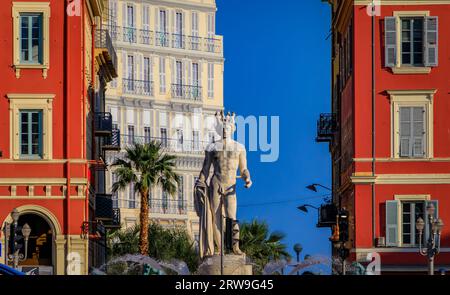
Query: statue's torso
(225, 161)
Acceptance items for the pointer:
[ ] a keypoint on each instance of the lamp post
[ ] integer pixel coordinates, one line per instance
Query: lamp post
(434, 236)
(298, 249)
(14, 234)
(313, 187)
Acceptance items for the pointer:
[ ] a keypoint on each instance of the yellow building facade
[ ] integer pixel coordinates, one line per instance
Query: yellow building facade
(169, 85)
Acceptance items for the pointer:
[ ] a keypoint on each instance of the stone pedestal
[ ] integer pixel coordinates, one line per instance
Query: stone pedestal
(233, 265)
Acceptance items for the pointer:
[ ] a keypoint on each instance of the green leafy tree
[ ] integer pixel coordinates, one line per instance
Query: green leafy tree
(146, 166)
(260, 245)
(164, 244)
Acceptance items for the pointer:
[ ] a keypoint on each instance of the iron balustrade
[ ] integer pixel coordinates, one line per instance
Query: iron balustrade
(104, 207)
(112, 142)
(178, 41)
(146, 37)
(102, 123)
(326, 127)
(188, 92)
(162, 39)
(129, 34)
(169, 206)
(168, 144)
(165, 39)
(103, 40)
(138, 87)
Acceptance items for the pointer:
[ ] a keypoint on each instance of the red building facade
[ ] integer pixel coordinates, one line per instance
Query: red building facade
(389, 128)
(53, 64)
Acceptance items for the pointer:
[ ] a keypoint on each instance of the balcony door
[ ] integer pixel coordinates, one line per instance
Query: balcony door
(178, 36)
(130, 73)
(179, 79)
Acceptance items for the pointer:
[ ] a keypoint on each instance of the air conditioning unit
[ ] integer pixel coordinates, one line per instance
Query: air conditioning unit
(381, 242)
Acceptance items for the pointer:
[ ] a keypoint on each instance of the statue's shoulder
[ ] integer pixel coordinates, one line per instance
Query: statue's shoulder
(239, 147)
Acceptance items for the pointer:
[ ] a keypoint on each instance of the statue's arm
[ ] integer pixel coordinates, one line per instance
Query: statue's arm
(245, 174)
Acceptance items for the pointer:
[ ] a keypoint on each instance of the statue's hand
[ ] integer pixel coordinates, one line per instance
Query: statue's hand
(248, 183)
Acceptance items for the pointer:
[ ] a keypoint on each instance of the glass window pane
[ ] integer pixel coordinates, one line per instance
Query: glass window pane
(406, 58)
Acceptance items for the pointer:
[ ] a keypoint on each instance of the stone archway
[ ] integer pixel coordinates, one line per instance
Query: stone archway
(46, 244)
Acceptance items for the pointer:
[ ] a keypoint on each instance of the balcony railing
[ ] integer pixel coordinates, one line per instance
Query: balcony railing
(102, 124)
(138, 87)
(168, 144)
(103, 41)
(104, 207)
(165, 39)
(326, 127)
(188, 92)
(168, 206)
(112, 143)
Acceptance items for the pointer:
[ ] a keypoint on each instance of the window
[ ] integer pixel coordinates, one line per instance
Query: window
(31, 25)
(195, 43)
(210, 32)
(195, 141)
(115, 195)
(130, 84)
(130, 30)
(165, 201)
(132, 197)
(147, 135)
(178, 36)
(180, 139)
(162, 38)
(412, 124)
(164, 137)
(401, 217)
(31, 134)
(162, 75)
(210, 80)
(31, 38)
(411, 42)
(181, 205)
(195, 81)
(412, 132)
(179, 79)
(131, 137)
(147, 76)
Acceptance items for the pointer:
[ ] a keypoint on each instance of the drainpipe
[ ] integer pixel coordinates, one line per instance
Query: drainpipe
(373, 126)
(68, 118)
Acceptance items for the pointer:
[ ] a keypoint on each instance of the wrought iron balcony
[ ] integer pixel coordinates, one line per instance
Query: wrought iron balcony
(103, 124)
(169, 145)
(112, 143)
(326, 127)
(106, 52)
(104, 207)
(187, 92)
(327, 215)
(169, 206)
(138, 87)
(166, 39)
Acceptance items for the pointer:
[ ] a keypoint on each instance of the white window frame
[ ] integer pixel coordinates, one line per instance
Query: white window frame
(31, 7)
(411, 98)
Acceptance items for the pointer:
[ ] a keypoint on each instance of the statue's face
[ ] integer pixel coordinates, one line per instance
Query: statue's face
(228, 131)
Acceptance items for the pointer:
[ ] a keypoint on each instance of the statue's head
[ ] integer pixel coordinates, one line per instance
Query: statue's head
(225, 125)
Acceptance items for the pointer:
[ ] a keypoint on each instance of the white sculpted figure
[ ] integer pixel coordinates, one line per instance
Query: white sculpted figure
(226, 156)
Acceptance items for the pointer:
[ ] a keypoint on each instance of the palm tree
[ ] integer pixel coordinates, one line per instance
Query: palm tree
(145, 166)
(261, 246)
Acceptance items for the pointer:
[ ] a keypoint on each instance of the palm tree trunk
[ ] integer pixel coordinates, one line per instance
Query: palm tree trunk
(143, 220)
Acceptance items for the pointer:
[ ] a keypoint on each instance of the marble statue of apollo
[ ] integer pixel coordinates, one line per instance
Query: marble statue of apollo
(225, 156)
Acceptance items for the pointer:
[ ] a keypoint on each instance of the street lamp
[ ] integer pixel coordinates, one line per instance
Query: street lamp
(434, 229)
(313, 187)
(298, 249)
(14, 234)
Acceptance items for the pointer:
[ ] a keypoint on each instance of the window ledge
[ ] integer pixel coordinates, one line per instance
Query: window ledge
(19, 67)
(411, 70)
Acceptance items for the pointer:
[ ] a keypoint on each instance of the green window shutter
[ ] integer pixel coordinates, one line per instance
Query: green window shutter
(405, 132)
(390, 41)
(418, 131)
(392, 238)
(431, 41)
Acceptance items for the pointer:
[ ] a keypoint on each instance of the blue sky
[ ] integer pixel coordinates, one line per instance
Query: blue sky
(278, 64)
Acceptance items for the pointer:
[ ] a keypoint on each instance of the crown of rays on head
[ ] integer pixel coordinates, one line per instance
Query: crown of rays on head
(225, 120)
